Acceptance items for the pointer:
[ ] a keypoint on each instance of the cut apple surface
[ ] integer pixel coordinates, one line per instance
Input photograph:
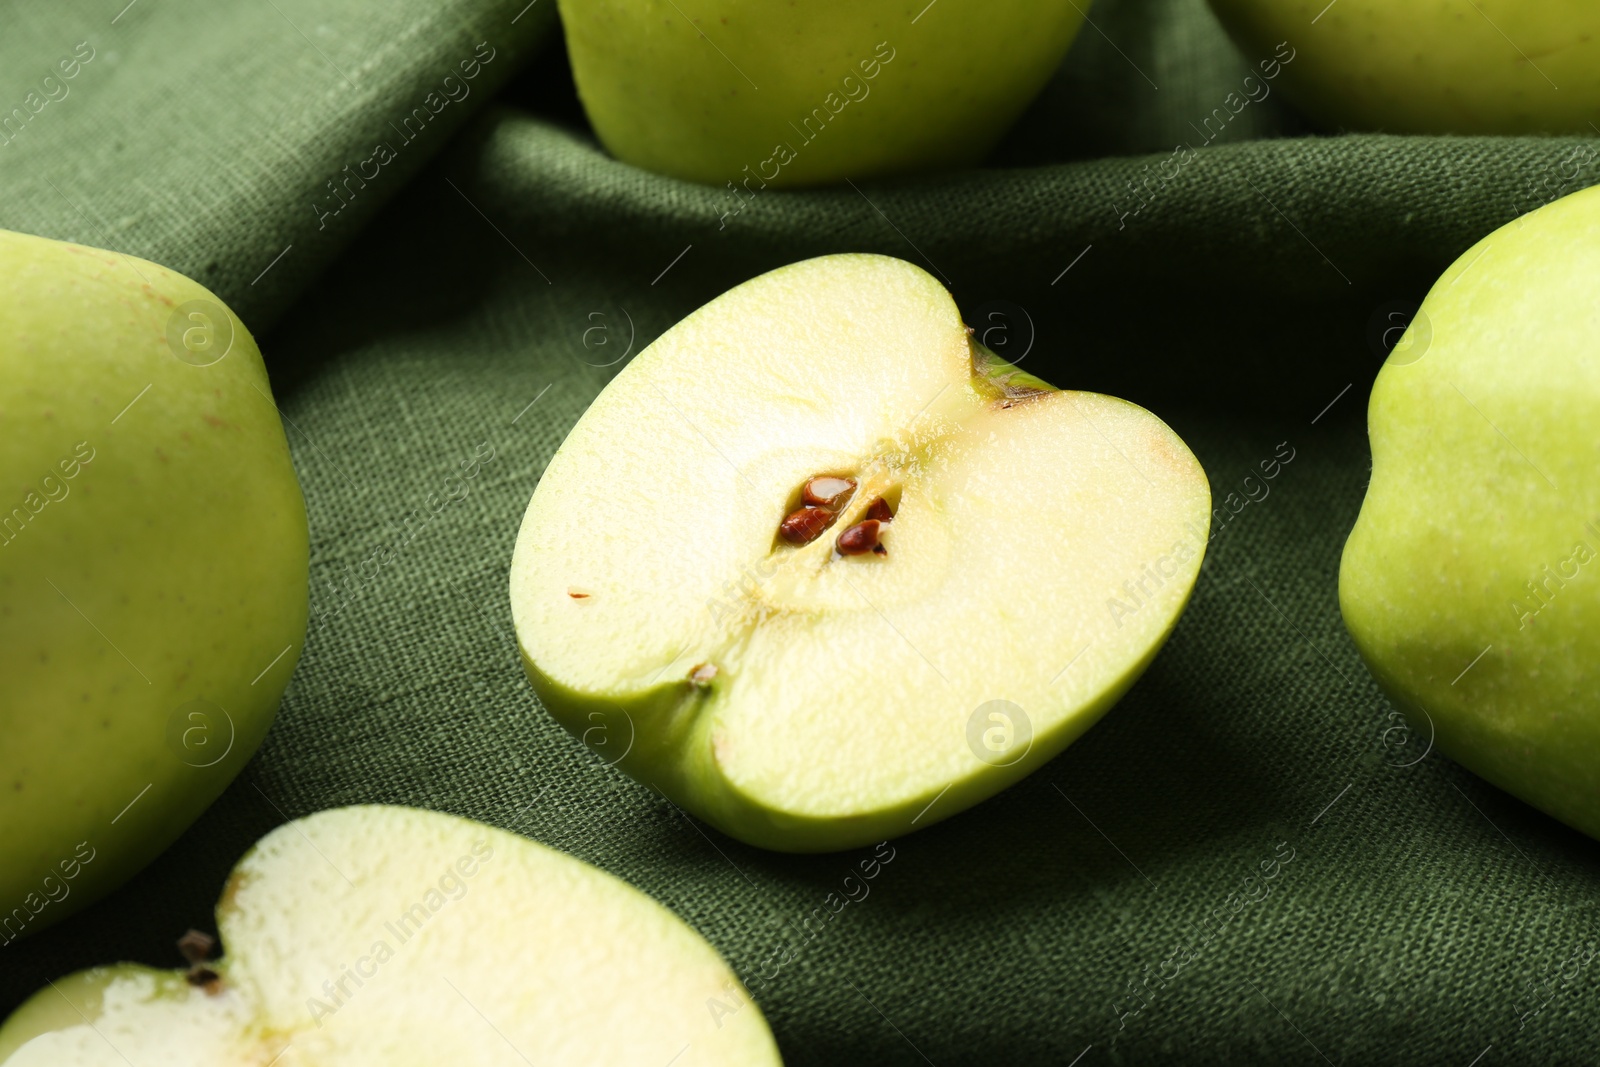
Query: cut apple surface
(1006, 561)
(397, 937)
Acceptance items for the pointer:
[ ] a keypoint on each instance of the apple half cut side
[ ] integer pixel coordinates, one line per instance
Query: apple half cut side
(1006, 560)
(391, 937)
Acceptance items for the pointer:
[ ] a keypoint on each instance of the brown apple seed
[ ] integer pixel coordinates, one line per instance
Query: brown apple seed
(827, 491)
(204, 977)
(859, 539)
(879, 510)
(805, 526)
(196, 946)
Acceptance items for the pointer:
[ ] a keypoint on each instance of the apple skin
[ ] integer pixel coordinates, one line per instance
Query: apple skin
(153, 553)
(934, 94)
(687, 774)
(824, 724)
(1431, 66)
(1485, 479)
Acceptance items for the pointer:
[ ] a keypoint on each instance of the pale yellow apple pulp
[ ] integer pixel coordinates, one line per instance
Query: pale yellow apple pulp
(1043, 545)
(392, 937)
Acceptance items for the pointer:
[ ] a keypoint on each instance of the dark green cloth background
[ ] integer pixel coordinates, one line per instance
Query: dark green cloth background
(1419, 909)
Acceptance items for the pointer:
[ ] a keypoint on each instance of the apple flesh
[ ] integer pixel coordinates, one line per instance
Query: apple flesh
(1431, 66)
(153, 559)
(755, 94)
(1039, 546)
(389, 936)
(1470, 582)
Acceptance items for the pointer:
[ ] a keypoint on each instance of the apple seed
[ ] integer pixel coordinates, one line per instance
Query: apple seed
(879, 510)
(827, 491)
(859, 539)
(204, 977)
(806, 525)
(577, 594)
(196, 946)
(702, 675)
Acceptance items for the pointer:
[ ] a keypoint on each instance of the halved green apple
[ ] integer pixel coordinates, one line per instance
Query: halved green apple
(1007, 560)
(396, 937)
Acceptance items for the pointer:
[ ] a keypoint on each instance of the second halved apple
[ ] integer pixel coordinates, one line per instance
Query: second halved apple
(823, 570)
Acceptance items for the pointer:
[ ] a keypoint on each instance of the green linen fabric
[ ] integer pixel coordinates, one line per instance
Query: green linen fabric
(478, 294)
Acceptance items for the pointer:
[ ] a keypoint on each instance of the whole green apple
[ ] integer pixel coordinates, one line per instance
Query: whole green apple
(391, 937)
(1432, 66)
(153, 555)
(1471, 582)
(752, 94)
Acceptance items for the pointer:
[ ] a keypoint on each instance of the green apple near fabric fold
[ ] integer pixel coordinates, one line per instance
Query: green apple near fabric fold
(388, 937)
(752, 94)
(153, 558)
(1471, 582)
(1432, 66)
(823, 570)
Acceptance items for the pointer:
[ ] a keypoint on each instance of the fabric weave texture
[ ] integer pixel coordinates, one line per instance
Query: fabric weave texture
(452, 301)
